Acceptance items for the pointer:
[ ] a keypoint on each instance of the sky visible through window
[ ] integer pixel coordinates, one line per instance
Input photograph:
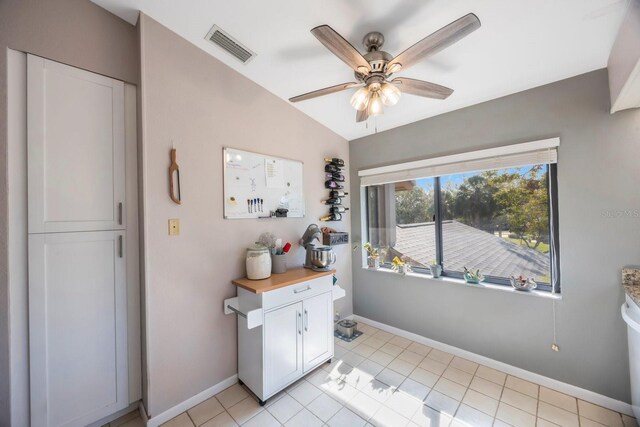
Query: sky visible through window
(456, 180)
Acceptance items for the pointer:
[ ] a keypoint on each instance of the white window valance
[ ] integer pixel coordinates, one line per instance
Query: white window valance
(508, 156)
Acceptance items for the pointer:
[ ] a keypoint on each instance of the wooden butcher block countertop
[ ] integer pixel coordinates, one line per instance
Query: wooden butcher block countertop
(276, 281)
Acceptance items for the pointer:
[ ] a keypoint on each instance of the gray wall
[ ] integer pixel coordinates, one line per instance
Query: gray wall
(195, 102)
(74, 32)
(597, 172)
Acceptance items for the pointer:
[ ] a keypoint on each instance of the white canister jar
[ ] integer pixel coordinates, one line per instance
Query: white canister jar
(258, 263)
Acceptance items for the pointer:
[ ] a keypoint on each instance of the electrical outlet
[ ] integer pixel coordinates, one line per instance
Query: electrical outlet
(174, 227)
(555, 347)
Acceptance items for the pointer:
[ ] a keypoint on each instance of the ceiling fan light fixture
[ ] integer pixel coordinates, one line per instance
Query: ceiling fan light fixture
(390, 94)
(374, 86)
(374, 108)
(360, 98)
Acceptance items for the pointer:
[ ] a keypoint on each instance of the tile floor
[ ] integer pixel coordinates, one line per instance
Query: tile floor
(385, 380)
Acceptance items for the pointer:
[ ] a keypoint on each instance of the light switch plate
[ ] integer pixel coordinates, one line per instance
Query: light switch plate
(174, 227)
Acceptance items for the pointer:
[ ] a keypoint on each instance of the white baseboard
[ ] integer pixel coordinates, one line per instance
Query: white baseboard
(165, 416)
(580, 393)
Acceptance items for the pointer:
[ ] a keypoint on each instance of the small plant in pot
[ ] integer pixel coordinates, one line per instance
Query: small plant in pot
(400, 265)
(374, 255)
(474, 277)
(522, 283)
(436, 269)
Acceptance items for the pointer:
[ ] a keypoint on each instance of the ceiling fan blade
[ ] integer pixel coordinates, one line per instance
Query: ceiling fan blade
(325, 91)
(362, 116)
(422, 88)
(435, 42)
(341, 48)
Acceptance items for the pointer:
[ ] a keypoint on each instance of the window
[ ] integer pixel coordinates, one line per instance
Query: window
(501, 221)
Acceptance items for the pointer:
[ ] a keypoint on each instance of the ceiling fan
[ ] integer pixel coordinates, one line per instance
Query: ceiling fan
(373, 69)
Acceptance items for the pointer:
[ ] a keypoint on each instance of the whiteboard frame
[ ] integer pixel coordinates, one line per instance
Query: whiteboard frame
(225, 190)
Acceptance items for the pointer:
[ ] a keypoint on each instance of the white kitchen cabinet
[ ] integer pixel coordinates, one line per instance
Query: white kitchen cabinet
(76, 149)
(83, 292)
(77, 335)
(317, 330)
(285, 328)
(282, 346)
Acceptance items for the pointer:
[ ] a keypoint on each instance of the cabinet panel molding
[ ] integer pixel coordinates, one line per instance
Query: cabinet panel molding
(77, 338)
(76, 149)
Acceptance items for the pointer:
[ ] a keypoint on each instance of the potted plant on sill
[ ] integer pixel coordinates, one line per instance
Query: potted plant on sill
(436, 269)
(522, 283)
(400, 266)
(374, 255)
(473, 277)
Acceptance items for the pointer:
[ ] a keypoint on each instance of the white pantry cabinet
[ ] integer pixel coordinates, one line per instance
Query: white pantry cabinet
(285, 327)
(82, 359)
(78, 335)
(76, 149)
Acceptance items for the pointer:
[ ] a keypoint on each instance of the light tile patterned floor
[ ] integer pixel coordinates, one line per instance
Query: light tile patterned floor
(385, 380)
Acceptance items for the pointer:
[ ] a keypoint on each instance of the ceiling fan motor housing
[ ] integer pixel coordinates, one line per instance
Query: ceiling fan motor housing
(377, 59)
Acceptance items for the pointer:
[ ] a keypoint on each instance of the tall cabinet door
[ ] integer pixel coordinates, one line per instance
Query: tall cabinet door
(318, 329)
(76, 149)
(282, 346)
(77, 333)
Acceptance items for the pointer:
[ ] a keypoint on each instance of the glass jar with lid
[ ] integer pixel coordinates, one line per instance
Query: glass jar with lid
(258, 262)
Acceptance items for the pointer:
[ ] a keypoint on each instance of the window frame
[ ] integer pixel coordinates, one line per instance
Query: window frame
(554, 244)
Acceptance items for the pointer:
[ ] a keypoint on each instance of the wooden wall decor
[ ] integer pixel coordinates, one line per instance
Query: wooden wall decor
(174, 171)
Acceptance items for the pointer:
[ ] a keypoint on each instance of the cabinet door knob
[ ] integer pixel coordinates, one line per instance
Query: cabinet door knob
(306, 321)
(299, 323)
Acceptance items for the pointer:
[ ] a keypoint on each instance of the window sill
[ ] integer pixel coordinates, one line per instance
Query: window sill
(452, 280)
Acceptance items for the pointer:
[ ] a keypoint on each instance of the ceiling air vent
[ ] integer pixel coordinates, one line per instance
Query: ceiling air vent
(220, 38)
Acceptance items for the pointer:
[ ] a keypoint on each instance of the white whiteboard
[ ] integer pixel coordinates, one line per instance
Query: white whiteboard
(277, 182)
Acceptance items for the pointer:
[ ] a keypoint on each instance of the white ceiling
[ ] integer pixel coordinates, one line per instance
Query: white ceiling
(521, 44)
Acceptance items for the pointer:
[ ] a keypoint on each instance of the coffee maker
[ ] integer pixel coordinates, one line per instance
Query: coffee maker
(318, 258)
